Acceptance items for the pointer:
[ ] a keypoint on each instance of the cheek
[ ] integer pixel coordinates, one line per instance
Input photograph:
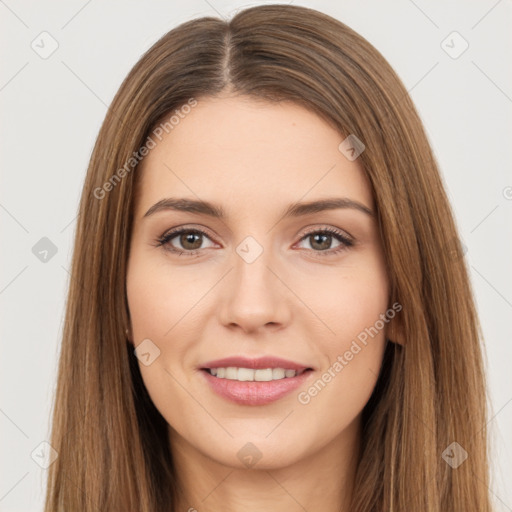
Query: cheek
(352, 361)
(161, 303)
(354, 305)
(351, 302)
(158, 298)
(155, 304)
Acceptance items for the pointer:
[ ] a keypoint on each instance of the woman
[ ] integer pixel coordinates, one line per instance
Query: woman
(269, 306)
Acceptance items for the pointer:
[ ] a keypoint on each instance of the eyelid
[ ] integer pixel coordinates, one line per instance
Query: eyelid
(329, 228)
(188, 227)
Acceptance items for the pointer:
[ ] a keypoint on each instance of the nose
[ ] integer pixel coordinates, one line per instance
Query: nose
(254, 295)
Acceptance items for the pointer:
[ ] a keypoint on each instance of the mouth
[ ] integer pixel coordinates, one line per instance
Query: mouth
(242, 374)
(254, 382)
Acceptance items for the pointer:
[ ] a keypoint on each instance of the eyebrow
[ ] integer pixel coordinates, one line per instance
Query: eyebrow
(293, 210)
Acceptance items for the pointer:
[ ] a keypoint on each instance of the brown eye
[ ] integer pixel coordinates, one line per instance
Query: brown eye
(320, 241)
(188, 241)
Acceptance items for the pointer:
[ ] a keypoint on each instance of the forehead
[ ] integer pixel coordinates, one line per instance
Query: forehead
(247, 154)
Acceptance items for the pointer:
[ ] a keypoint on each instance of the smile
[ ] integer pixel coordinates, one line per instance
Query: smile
(245, 386)
(249, 374)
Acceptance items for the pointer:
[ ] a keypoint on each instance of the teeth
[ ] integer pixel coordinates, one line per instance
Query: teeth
(248, 374)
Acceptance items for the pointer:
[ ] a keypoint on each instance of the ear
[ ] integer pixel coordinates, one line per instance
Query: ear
(395, 330)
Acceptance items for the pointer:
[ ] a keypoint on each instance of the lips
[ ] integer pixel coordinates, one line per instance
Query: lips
(253, 392)
(259, 363)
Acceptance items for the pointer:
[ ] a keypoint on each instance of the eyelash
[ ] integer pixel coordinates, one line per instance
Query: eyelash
(345, 241)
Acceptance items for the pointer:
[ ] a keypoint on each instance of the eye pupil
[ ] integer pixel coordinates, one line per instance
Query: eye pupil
(324, 237)
(189, 238)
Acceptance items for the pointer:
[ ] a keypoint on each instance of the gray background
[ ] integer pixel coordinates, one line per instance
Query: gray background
(53, 108)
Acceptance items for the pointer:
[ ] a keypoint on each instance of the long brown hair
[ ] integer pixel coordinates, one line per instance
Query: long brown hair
(112, 443)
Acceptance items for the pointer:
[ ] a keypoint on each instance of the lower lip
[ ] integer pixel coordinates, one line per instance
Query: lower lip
(254, 392)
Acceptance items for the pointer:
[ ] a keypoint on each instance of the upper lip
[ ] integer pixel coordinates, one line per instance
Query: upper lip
(258, 363)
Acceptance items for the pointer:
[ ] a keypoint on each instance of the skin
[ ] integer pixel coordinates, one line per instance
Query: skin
(254, 159)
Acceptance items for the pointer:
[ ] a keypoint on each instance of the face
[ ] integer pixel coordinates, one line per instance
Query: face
(308, 286)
